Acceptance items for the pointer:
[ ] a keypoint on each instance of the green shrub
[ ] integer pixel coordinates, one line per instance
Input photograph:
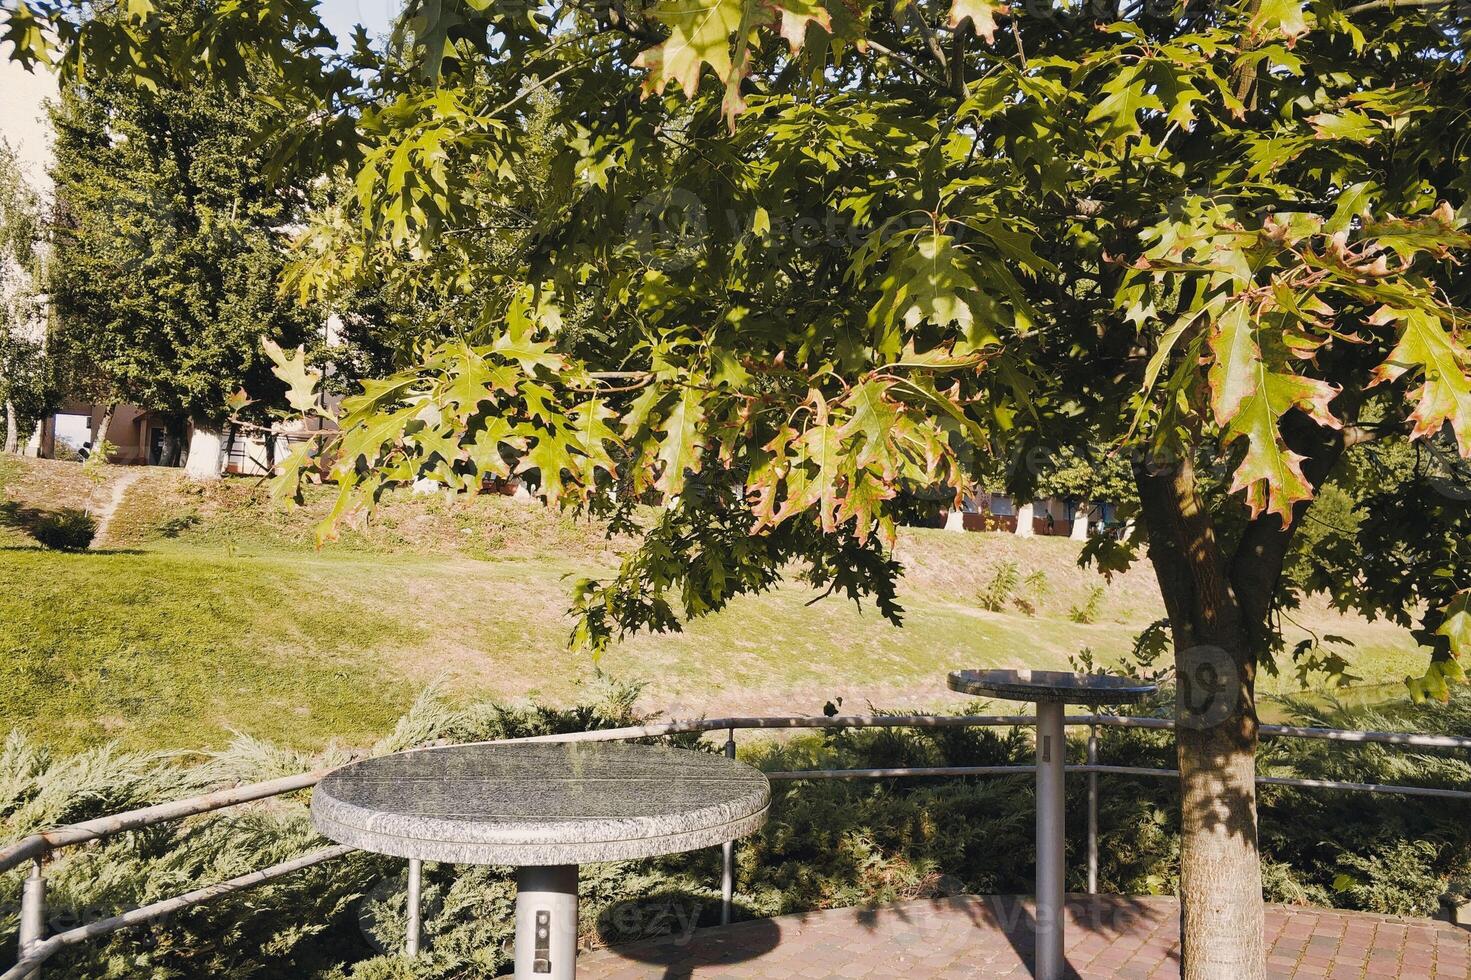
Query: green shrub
(995, 595)
(1087, 613)
(65, 452)
(66, 530)
(1033, 593)
(828, 843)
(96, 465)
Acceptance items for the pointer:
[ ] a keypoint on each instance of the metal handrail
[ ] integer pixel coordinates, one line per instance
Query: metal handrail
(39, 845)
(40, 952)
(36, 949)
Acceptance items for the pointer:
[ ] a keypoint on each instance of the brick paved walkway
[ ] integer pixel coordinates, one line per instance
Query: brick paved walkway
(969, 936)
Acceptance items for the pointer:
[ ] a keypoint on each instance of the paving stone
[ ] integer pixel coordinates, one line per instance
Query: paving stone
(1109, 936)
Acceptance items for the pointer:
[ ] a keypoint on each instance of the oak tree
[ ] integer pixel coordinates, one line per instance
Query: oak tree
(828, 256)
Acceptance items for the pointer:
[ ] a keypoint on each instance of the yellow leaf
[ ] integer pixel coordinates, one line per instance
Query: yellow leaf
(981, 14)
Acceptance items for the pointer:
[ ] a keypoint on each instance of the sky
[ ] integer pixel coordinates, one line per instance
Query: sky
(375, 15)
(20, 108)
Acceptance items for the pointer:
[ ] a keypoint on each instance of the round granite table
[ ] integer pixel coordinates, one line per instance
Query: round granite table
(544, 807)
(1050, 690)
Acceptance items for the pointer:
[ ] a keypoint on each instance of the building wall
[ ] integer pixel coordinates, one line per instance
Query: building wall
(23, 116)
(131, 429)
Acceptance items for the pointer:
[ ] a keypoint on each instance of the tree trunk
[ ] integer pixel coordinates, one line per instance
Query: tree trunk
(1221, 909)
(169, 451)
(104, 425)
(204, 453)
(12, 428)
(1080, 522)
(1024, 521)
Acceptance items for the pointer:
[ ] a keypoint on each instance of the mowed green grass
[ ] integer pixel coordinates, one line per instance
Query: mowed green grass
(179, 647)
(176, 649)
(201, 617)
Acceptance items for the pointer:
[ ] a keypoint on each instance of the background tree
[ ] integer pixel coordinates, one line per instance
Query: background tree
(863, 249)
(170, 240)
(24, 370)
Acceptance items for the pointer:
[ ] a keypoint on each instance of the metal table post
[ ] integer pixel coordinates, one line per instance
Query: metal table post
(1051, 842)
(546, 922)
(1050, 690)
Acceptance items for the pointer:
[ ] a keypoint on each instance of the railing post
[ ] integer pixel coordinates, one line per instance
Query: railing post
(727, 870)
(33, 913)
(416, 879)
(1092, 811)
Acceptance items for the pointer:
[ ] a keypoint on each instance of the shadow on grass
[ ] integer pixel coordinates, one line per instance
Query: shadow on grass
(90, 552)
(67, 530)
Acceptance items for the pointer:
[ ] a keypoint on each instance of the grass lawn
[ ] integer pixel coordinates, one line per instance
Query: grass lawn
(203, 612)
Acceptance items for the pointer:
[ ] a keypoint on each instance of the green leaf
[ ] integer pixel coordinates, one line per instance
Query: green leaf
(1249, 397)
(872, 423)
(1353, 202)
(1284, 17)
(817, 470)
(485, 451)
(528, 353)
(26, 37)
(594, 439)
(931, 281)
(301, 380)
(681, 450)
(550, 458)
(1456, 624)
(861, 502)
(475, 381)
(700, 36)
(1348, 125)
(1127, 93)
(1445, 394)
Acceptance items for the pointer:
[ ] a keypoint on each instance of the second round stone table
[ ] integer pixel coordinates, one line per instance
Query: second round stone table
(544, 807)
(1050, 690)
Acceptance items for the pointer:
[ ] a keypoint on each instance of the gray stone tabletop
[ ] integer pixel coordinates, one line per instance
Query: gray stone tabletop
(540, 803)
(1051, 685)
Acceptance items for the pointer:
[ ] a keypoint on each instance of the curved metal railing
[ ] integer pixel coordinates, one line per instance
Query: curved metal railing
(36, 947)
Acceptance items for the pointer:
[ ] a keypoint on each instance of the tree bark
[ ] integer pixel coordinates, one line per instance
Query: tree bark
(104, 425)
(1024, 527)
(1221, 908)
(204, 452)
(1080, 522)
(169, 451)
(12, 428)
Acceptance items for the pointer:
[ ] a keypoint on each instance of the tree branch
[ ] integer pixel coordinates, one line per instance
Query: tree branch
(890, 53)
(957, 60)
(1392, 4)
(932, 43)
(1186, 556)
(1261, 554)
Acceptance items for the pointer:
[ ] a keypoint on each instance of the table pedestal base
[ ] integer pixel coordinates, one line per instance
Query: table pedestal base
(1051, 753)
(546, 923)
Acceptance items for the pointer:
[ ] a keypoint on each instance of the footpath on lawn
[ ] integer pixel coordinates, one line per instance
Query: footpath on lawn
(203, 610)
